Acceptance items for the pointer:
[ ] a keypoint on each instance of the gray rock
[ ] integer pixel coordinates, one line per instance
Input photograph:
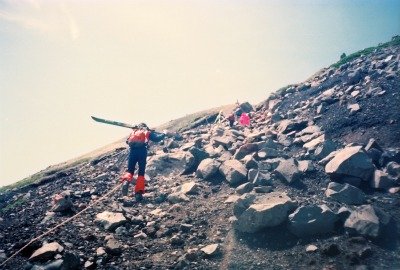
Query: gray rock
(354, 181)
(309, 130)
(177, 197)
(286, 126)
(113, 247)
(100, 251)
(393, 169)
(234, 172)
(267, 152)
(311, 248)
(244, 188)
(381, 180)
(365, 221)
(354, 108)
(224, 141)
(189, 188)
(312, 220)
(3, 256)
(262, 179)
(263, 189)
(311, 145)
(210, 250)
(305, 166)
(350, 161)
(270, 164)
(324, 149)
(55, 265)
(287, 170)
(252, 175)
(269, 210)
(250, 162)
(207, 168)
(62, 202)
(71, 261)
(372, 143)
(177, 240)
(245, 150)
(242, 203)
(345, 193)
(354, 77)
(110, 220)
(47, 251)
(343, 213)
(178, 162)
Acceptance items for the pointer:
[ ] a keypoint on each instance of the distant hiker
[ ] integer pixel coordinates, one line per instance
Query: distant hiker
(138, 144)
(244, 119)
(231, 119)
(220, 117)
(238, 111)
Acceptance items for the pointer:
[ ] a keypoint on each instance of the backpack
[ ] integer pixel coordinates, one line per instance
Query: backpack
(138, 138)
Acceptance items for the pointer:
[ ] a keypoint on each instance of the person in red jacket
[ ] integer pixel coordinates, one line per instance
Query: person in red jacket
(138, 143)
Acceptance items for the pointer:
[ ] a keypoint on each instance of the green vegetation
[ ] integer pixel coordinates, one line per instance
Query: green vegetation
(344, 59)
(11, 206)
(44, 173)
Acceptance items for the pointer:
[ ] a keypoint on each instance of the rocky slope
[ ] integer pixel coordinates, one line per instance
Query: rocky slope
(312, 184)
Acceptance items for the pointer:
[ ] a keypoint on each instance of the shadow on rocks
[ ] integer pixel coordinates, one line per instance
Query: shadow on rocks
(274, 238)
(389, 236)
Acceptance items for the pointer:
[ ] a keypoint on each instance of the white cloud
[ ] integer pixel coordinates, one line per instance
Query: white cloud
(52, 18)
(73, 26)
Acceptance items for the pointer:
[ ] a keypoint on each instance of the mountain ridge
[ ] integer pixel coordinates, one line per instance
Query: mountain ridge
(321, 159)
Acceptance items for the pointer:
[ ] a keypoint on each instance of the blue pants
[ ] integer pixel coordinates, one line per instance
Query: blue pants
(137, 155)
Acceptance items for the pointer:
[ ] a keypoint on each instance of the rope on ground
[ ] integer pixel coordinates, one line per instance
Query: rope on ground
(63, 223)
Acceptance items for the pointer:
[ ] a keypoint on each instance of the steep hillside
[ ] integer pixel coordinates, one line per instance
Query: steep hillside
(313, 183)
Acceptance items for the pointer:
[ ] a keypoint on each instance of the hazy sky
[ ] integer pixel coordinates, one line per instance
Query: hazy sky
(153, 61)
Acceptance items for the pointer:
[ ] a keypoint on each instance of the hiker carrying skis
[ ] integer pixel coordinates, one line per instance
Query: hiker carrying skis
(138, 144)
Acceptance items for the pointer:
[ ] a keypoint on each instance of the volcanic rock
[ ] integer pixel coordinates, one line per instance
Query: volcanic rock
(234, 172)
(287, 171)
(110, 220)
(268, 211)
(207, 168)
(47, 251)
(312, 220)
(350, 161)
(366, 222)
(345, 193)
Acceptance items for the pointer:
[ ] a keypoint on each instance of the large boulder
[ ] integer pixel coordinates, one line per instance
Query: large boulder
(178, 163)
(207, 168)
(198, 155)
(189, 188)
(366, 221)
(350, 161)
(267, 211)
(246, 107)
(234, 172)
(381, 180)
(47, 251)
(225, 141)
(345, 193)
(288, 171)
(286, 126)
(62, 202)
(312, 220)
(110, 220)
(324, 149)
(245, 150)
